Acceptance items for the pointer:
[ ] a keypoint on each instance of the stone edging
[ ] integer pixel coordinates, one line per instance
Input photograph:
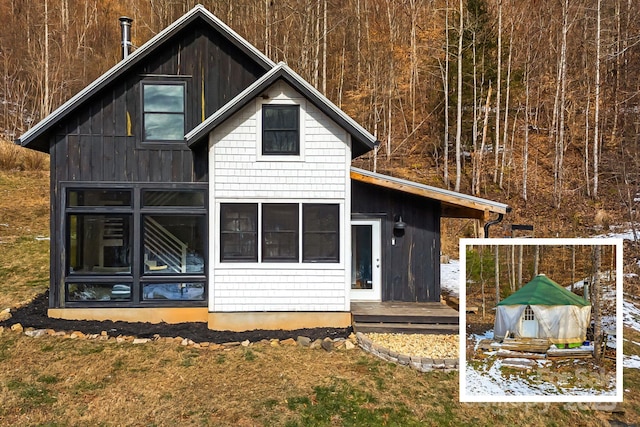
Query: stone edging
(422, 364)
(327, 344)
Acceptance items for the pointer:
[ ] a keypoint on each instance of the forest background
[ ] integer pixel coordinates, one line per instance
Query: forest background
(532, 103)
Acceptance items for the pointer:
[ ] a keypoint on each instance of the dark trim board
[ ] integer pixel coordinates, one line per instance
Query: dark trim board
(410, 259)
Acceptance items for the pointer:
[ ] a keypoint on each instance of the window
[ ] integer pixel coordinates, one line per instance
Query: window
(280, 232)
(321, 229)
(173, 291)
(239, 232)
(99, 292)
(281, 130)
(99, 244)
(163, 111)
(173, 244)
(136, 245)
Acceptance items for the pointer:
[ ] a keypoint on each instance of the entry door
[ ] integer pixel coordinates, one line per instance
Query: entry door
(529, 323)
(365, 260)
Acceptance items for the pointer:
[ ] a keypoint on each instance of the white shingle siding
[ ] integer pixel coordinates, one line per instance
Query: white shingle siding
(239, 173)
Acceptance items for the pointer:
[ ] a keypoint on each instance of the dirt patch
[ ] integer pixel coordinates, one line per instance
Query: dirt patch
(34, 315)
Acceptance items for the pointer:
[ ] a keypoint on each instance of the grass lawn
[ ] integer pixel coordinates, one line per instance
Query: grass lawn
(55, 381)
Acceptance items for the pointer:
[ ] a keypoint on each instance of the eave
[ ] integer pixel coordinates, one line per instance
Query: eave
(362, 140)
(453, 204)
(35, 137)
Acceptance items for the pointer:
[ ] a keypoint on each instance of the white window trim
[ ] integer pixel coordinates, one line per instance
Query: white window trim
(261, 265)
(302, 103)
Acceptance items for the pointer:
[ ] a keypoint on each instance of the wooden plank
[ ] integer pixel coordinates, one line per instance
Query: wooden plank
(97, 158)
(532, 345)
(454, 303)
(527, 355)
(84, 147)
(73, 157)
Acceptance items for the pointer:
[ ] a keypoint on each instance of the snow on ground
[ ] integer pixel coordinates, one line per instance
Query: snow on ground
(450, 277)
(487, 379)
(631, 315)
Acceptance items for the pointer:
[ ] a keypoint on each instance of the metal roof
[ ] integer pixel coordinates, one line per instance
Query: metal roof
(29, 138)
(448, 198)
(362, 140)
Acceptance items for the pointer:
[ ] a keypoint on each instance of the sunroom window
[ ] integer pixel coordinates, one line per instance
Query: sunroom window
(135, 245)
(280, 232)
(238, 232)
(163, 111)
(321, 232)
(280, 129)
(173, 244)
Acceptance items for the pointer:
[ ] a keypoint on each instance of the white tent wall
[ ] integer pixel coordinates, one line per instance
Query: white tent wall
(561, 324)
(508, 320)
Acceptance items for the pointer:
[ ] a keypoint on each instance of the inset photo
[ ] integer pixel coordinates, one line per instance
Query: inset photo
(543, 320)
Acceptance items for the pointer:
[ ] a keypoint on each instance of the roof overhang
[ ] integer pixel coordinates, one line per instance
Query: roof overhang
(362, 140)
(33, 137)
(453, 204)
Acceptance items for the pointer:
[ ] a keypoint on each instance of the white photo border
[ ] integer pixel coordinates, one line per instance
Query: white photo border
(618, 243)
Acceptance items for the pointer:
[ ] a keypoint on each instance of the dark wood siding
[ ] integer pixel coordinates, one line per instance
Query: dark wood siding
(101, 141)
(411, 267)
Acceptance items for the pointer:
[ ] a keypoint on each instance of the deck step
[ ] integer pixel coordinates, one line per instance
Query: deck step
(407, 318)
(406, 328)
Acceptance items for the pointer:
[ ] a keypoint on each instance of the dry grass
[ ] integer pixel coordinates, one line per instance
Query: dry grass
(62, 381)
(15, 158)
(24, 216)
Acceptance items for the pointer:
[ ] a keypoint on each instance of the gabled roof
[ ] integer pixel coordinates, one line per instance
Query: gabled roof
(543, 291)
(454, 204)
(362, 140)
(32, 138)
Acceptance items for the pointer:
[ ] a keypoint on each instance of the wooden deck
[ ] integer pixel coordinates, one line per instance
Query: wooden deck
(404, 317)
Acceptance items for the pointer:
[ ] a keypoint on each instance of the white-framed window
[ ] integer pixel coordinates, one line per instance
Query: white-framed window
(280, 129)
(281, 228)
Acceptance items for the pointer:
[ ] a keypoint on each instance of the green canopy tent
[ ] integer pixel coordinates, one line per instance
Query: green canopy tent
(543, 309)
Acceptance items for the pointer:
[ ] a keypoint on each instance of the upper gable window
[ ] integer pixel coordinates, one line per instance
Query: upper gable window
(164, 111)
(281, 130)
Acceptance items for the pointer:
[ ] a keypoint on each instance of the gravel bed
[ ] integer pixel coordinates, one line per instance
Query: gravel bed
(423, 345)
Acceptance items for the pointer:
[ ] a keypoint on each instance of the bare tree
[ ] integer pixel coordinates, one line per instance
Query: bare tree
(459, 110)
(595, 303)
(496, 144)
(596, 119)
(497, 272)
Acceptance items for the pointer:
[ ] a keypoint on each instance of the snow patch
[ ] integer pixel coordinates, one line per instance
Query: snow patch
(450, 277)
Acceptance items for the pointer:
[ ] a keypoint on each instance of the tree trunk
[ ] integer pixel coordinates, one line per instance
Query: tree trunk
(445, 84)
(506, 110)
(497, 272)
(520, 247)
(474, 136)
(596, 118)
(480, 154)
(536, 259)
(459, 110)
(595, 303)
(496, 145)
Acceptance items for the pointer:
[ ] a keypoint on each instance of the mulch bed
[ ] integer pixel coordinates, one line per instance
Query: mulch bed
(34, 315)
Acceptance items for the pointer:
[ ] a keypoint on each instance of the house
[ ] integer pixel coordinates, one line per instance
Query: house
(197, 180)
(543, 309)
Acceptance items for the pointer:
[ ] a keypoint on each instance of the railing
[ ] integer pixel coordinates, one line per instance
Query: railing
(164, 247)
